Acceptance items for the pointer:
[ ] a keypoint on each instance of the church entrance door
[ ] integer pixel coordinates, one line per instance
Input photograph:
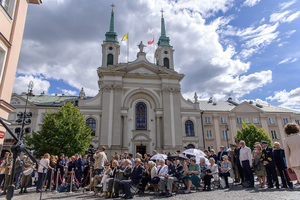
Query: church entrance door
(141, 149)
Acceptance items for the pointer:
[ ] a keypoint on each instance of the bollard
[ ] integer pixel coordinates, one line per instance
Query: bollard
(71, 183)
(57, 177)
(91, 173)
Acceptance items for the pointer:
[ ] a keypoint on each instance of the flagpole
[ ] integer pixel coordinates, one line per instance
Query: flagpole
(128, 48)
(153, 51)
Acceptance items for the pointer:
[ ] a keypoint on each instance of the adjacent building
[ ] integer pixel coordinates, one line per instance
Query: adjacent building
(12, 21)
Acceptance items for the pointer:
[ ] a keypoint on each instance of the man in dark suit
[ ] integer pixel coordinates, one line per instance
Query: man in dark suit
(60, 166)
(221, 153)
(78, 167)
(134, 178)
(237, 160)
(268, 160)
(280, 165)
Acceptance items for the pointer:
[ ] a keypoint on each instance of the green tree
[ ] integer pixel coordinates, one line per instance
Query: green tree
(251, 134)
(62, 132)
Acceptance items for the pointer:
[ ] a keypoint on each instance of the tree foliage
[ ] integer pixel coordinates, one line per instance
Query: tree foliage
(251, 134)
(62, 132)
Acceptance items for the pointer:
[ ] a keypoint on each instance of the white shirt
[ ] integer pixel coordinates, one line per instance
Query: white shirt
(245, 154)
(43, 163)
(164, 170)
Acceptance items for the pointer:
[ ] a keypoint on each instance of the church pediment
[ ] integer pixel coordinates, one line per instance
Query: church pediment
(141, 70)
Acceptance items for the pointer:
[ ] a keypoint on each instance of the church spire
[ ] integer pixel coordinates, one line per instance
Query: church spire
(163, 39)
(111, 36)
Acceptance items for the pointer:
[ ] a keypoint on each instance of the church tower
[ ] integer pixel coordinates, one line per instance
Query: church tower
(110, 46)
(164, 51)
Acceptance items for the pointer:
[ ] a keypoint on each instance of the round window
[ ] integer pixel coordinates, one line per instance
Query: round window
(110, 48)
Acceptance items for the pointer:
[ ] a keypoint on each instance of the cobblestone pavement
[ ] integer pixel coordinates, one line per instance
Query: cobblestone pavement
(236, 192)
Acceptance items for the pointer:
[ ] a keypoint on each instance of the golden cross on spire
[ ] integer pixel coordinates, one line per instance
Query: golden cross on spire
(112, 7)
(162, 12)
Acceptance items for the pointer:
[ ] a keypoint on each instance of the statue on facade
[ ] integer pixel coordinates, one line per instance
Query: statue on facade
(141, 47)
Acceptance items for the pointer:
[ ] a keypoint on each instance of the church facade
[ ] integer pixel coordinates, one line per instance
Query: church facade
(140, 108)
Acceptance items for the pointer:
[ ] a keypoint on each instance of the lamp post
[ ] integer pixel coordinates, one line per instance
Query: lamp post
(227, 129)
(24, 117)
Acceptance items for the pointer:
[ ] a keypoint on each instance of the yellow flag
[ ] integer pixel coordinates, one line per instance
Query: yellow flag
(125, 37)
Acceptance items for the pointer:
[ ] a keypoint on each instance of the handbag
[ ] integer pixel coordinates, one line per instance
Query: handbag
(291, 174)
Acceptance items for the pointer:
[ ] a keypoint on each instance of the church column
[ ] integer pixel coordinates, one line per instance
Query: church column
(124, 134)
(158, 133)
(172, 119)
(167, 135)
(117, 129)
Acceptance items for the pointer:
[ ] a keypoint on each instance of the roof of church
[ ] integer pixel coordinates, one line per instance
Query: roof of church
(51, 100)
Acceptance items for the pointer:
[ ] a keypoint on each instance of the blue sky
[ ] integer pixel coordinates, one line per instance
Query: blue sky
(246, 49)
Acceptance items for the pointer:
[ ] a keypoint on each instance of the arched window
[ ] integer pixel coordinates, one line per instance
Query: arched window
(91, 123)
(189, 128)
(166, 63)
(110, 59)
(191, 146)
(141, 116)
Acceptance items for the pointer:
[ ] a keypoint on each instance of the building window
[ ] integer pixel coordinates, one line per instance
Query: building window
(208, 134)
(297, 122)
(271, 121)
(223, 120)
(247, 120)
(224, 135)
(207, 120)
(285, 120)
(166, 63)
(239, 120)
(110, 59)
(141, 116)
(210, 148)
(255, 120)
(8, 6)
(91, 122)
(274, 135)
(2, 59)
(189, 128)
(191, 146)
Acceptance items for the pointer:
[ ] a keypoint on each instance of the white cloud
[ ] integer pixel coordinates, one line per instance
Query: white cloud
(70, 92)
(257, 38)
(288, 99)
(288, 60)
(285, 5)
(285, 16)
(251, 3)
(40, 84)
(290, 33)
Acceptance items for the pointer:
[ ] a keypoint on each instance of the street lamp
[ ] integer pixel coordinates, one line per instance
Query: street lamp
(227, 129)
(24, 117)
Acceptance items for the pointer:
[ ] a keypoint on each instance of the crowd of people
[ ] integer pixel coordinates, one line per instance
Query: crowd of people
(164, 175)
